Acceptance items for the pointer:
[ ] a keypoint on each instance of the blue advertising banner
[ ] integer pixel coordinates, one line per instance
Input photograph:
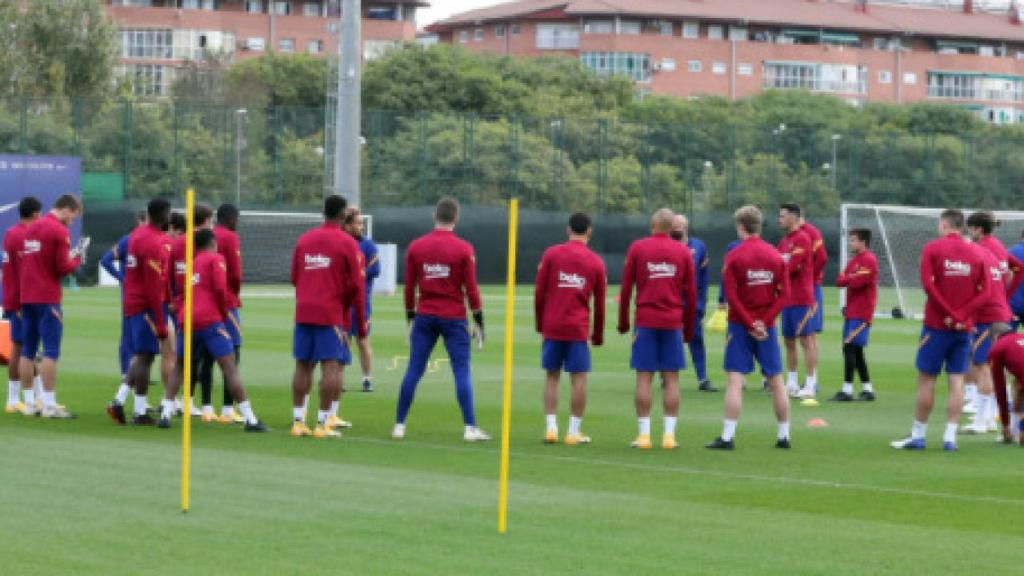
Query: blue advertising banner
(45, 177)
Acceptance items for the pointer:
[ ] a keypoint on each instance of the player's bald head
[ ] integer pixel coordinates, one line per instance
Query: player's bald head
(680, 223)
(661, 222)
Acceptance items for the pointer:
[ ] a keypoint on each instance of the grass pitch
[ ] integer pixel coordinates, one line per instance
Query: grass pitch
(87, 497)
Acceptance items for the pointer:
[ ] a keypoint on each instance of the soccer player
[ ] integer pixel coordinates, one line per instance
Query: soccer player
(145, 293)
(820, 257)
(980, 226)
(210, 301)
(798, 314)
(29, 209)
(666, 309)
(327, 272)
(860, 278)
(569, 277)
(1007, 355)
(442, 268)
(1017, 294)
(722, 301)
(229, 247)
(756, 284)
(46, 258)
(114, 263)
(699, 252)
(956, 283)
(354, 226)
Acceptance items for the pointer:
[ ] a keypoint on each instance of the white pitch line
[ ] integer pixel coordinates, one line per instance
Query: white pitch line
(722, 474)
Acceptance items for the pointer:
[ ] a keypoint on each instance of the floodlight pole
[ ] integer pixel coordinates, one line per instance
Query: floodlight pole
(348, 114)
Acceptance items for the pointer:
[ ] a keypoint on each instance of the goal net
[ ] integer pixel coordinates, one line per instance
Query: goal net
(898, 233)
(268, 239)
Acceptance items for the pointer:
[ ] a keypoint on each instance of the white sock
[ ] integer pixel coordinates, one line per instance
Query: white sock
(321, 417)
(670, 425)
(991, 407)
(551, 421)
(305, 403)
(246, 409)
(468, 429)
(207, 409)
(919, 430)
(950, 434)
(811, 381)
(866, 386)
(791, 380)
(334, 408)
(166, 408)
(30, 397)
(228, 410)
(783, 430)
(645, 425)
(178, 405)
(970, 391)
(122, 393)
(1015, 425)
(981, 401)
(50, 398)
(574, 425)
(298, 413)
(729, 429)
(848, 388)
(13, 392)
(140, 404)
(37, 386)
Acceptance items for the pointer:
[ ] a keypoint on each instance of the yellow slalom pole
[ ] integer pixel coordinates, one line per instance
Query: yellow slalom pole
(186, 380)
(506, 405)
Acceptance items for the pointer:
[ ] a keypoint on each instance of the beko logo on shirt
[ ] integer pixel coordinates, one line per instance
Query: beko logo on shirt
(957, 268)
(33, 246)
(661, 269)
(180, 267)
(130, 261)
(317, 262)
(997, 274)
(759, 277)
(576, 281)
(436, 271)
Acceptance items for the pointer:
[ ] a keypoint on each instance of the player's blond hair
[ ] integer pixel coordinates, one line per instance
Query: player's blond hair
(749, 218)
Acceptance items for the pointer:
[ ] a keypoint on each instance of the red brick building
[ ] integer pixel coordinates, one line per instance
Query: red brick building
(158, 36)
(858, 50)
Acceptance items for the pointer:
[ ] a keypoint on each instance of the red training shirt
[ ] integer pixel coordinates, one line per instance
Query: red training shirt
(1006, 354)
(1009, 265)
(14, 246)
(995, 308)
(328, 275)
(177, 275)
(860, 278)
(954, 278)
(229, 247)
(756, 283)
(569, 275)
(146, 276)
(666, 286)
(442, 266)
(210, 292)
(796, 251)
(46, 259)
(820, 254)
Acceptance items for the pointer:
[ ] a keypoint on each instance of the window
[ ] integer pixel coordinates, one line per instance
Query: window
(287, 45)
(558, 37)
(986, 51)
(499, 31)
(139, 3)
(691, 30)
(631, 27)
(149, 44)
(311, 9)
(745, 70)
(478, 34)
(738, 33)
(832, 78)
(694, 66)
(255, 44)
(254, 6)
(282, 8)
(373, 49)
(598, 27)
(197, 4)
(962, 86)
(664, 28)
(515, 29)
(149, 79)
(715, 32)
(884, 77)
(314, 46)
(667, 64)
(1020, 55)
(382, 13)
(632, 65)
(463, 36)
(719, 68)
(910, 78)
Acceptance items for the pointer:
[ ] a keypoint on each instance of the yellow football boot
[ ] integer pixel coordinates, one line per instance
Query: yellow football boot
(577, 438)
(322, 432)
(300, 429)
(643, 442)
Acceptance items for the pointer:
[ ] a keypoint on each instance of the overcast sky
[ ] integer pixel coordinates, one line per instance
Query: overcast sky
(440, 9)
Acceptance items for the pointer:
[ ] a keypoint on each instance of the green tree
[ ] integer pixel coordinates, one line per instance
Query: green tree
(278, 80)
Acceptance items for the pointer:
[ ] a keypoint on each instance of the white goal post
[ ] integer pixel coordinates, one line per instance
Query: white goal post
(898, 233)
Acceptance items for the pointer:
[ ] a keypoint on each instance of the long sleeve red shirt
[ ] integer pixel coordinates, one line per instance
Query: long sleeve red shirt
(177, 276)
(229, 247)
(756, 283)
(818, 251)
(1006, 355)
(995, 308)
(954, 278)
(14, 246)
(329, 279)
(795, 248)
(147, 274)
(569, 276)
(46, 259)
(443, 268)
(860, 278)
(210, 292)
(662, 271)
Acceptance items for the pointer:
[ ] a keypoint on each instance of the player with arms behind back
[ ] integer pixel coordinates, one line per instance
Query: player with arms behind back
(756, 284)
(956, 282)
(569, 276)
(860, 279)
(14, 248)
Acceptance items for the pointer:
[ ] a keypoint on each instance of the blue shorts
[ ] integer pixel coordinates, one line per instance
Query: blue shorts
(17, 329)
(797, 321)
(215, 339)
(741, 349)
(856, 332)
(41, 324)
(818, 321)
(571, 355)
(313, 343)
(234, 327)
(981, 343)
(354, 329)
(142, 333)
(656, 350)
(943, 347)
